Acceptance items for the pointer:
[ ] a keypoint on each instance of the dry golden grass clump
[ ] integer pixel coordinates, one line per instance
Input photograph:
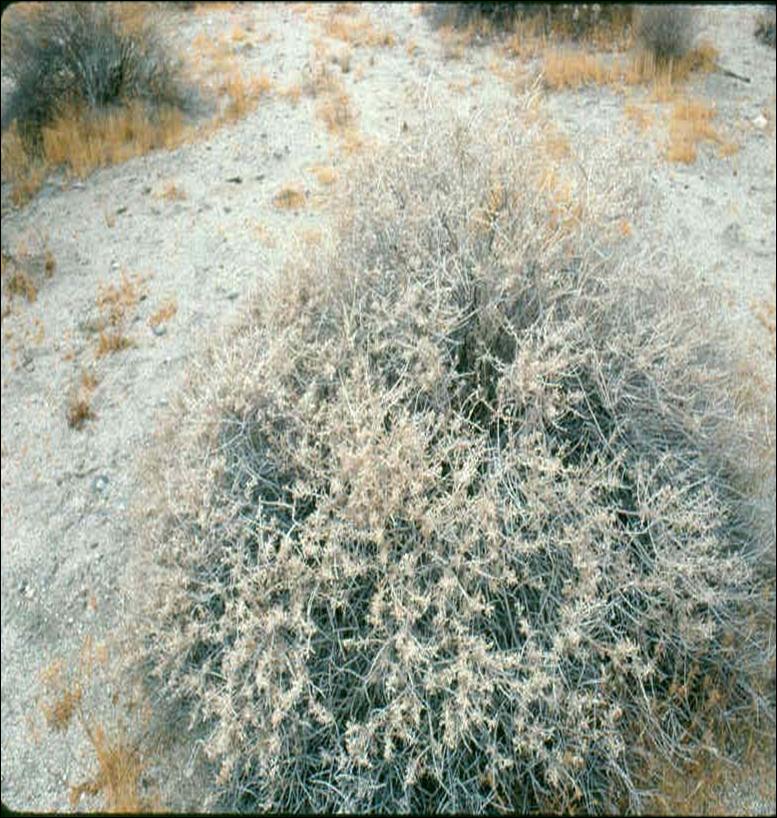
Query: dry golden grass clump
(116, 303)
(121, 746)
(289, 197)
(455, 522)
(79, 407)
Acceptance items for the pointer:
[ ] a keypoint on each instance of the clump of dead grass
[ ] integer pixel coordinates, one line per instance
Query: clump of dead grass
(120, 752)
(116, 304)
(243, 95)
(166, 310)
(690, 123)
(289, 197)
(79, 407)
(455, 520)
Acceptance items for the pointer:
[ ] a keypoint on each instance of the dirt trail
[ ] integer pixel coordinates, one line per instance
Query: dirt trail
(66, 494)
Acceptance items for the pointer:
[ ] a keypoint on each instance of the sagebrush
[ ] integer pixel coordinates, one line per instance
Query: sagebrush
(85, 56)
(665, 31)
(455, 520)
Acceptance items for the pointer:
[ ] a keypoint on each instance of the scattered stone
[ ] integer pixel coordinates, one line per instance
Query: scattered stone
(233, 295)
(147, 189)
(120, 210)
(100, 484)
(159, 330)
(235, 180)
(760, 121)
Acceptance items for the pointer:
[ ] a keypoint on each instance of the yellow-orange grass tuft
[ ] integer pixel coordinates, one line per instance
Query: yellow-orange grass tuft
(573, 69)
(82, 141)
(24, 173)
(336, 113)
(79, 408)
(690, 123)
(292, 93)
(243, 95)
(641, 117)
(120, 762)
(172, 193)
(358, 31)
(325, 174)
(118, 777)
(163, 313)
(114, 302)
(59, 710)
(289, 198)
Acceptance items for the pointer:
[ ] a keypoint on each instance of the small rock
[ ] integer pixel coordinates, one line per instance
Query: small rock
(120, 210)
(227, 209)
(93, 545)
(233, 295)
(147, 189)
(163, 402)
(159, 330)
(760, 121)
(235, 180)
(259, 177)
(100, 484)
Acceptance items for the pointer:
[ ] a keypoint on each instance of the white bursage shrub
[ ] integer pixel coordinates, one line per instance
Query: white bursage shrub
(450, 523)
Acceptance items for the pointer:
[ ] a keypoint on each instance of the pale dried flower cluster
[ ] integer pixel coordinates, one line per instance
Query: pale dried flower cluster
(453, 522)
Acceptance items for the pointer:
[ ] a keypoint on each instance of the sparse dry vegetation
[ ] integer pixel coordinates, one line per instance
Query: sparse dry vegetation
(119, 751)
(456, 521)
(690, 123)
(289, 197)
(79, 407)
(163, 313)
(116, 303)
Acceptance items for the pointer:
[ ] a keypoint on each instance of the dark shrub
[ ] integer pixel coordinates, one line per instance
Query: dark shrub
(575, 20)
(81, 54)
(667, 32)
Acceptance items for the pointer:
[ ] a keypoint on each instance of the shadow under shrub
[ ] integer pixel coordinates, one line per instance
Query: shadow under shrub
(63, 56)
(454, 521)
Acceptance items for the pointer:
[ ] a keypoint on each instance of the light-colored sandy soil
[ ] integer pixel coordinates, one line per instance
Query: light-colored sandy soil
(66, 495)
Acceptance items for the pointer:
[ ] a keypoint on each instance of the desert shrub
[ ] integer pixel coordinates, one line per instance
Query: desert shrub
(575, 20)
(454, 521)
(82, 55)
(665, 31)
(765, 26)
